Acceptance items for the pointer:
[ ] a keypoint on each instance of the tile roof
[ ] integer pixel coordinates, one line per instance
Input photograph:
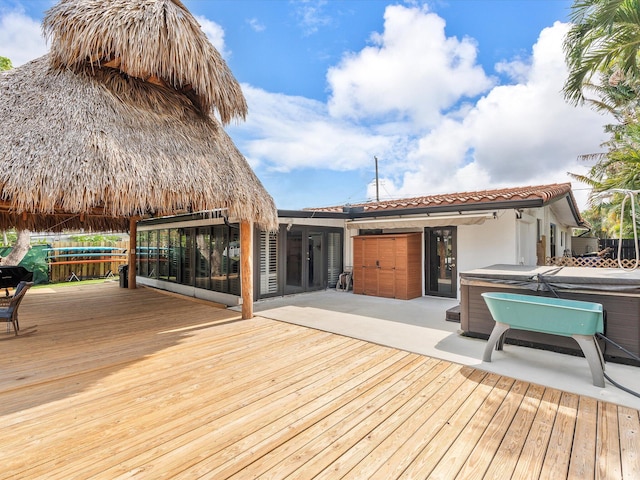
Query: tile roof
(545, 193)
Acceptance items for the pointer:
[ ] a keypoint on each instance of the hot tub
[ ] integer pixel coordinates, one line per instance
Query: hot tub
(617, 290)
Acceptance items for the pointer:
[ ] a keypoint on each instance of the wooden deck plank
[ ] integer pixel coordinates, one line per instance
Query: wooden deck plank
(144, 376)
(459, 452)
(246, 417)
(629, 434)
(423, 426)
(283, 461)
(535, 447)
(608, 443)
(556, 462)
(338, 438)
(134, 383)
(484, 451)
(272, 435)
(214, 403)
(301, 422)
(346, 450)
(438, 446)
(133, 390)
(507, 455)
(238, 345)
(583, 451)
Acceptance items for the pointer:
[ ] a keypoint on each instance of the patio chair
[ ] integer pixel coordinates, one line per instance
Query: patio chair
(9, 311)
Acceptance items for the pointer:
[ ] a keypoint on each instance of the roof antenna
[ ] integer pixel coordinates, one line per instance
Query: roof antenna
(377, 183)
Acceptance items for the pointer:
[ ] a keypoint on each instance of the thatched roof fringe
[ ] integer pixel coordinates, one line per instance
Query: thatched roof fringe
(77, 143)
(146, 38)
(57, 223)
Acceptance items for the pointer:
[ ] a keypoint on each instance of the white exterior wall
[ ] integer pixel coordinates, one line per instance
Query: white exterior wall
(563, 234)
(492, 242)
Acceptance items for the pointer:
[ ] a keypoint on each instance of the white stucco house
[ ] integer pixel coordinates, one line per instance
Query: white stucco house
(398, 248)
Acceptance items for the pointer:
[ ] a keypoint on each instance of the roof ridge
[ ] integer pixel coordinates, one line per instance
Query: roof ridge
(545, 192)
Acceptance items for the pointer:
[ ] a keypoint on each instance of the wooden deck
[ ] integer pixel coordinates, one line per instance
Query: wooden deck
(119, 383)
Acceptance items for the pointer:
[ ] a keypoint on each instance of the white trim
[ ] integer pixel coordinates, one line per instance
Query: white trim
(203, 222)
(189, 291)
(422, 221)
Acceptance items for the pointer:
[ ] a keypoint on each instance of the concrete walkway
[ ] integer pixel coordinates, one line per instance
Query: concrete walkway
(419, 326)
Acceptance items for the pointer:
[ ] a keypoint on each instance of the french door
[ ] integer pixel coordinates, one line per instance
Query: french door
(306, 261)
(440, 262)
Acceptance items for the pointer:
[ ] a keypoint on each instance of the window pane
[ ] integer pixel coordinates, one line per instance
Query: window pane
(233, 260)
(142, 253)
(152, 254)
(163, 254)
(203, 257)
(218, 245)
(173, 254)
(186, 274)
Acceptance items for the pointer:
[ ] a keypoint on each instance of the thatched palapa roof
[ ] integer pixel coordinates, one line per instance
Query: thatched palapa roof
(119, 120)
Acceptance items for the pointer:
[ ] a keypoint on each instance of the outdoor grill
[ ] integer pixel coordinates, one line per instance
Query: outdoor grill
(11, 276)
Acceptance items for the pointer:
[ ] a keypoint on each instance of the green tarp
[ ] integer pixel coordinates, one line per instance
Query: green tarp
(35, 261)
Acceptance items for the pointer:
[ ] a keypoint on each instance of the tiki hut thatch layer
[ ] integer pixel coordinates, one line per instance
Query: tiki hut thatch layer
(101, 129)
(157, 40)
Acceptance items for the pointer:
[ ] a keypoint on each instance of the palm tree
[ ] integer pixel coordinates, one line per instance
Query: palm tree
(618, 168)
(601, 51)
(5, 63)
(605, 36)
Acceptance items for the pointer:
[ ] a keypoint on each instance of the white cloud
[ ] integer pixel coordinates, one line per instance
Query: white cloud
(284, 132)
(215, 34)
(411, 99)
(256, 25)
(523, 133)
(310, 15)
(412, 71)
(21, 39)
(515, 135)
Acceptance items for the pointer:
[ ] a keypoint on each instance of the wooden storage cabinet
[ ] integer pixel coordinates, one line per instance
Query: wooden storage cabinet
(388, 265)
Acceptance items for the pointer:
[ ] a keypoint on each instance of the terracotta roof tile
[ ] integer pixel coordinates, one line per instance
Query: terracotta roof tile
(545, 193)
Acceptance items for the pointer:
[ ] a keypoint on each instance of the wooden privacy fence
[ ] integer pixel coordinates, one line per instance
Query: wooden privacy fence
(628, 249)
(81, 260)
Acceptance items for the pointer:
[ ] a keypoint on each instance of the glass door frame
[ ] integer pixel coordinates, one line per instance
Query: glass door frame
(306, 258)
(293, 260)
(450, 263)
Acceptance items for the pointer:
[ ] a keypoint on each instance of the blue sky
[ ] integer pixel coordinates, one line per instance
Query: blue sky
(450, 96)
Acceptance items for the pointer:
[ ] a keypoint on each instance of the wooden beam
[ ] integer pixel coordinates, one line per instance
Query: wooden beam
(133, 231)
(246, 268)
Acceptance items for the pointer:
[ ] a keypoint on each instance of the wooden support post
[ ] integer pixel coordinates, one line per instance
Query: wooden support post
(133, 233)
(246, 268)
